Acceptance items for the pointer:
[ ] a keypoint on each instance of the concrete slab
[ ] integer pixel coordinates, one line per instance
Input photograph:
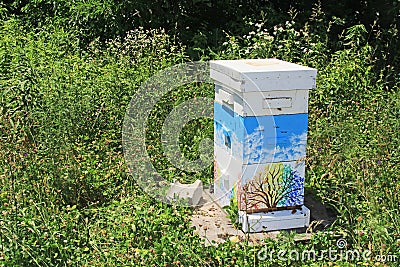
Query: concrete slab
(191, 193)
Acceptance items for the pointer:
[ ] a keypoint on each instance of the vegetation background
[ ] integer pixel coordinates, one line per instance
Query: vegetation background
(69, 68)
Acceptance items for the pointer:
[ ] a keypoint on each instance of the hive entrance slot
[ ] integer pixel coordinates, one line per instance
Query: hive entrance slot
(278, 102)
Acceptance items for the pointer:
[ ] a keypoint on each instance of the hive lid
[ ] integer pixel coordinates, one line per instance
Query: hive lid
(248, 75)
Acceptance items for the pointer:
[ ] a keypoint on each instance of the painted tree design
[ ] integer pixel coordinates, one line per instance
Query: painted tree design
(276, 186)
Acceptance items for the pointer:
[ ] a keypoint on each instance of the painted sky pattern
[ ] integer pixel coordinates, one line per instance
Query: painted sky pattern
(264, 138)
(255, 141)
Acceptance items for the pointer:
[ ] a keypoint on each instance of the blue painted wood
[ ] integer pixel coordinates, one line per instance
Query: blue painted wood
(261, 139)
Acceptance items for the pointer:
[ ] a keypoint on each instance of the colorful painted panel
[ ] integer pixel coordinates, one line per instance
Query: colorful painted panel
(261, 139)
(271, 186)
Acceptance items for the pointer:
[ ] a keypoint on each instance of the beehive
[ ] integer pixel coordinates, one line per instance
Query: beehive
(260, 123)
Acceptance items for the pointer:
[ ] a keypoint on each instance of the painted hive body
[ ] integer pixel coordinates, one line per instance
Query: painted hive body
(260, 124)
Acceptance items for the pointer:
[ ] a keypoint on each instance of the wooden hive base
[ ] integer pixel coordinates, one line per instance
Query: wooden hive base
(274, 220)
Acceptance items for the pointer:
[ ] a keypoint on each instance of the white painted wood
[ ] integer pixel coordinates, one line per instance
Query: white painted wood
(276, 220)
(253, 75)
(268, 103)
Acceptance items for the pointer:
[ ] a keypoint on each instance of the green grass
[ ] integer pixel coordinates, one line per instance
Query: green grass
(67, 199)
